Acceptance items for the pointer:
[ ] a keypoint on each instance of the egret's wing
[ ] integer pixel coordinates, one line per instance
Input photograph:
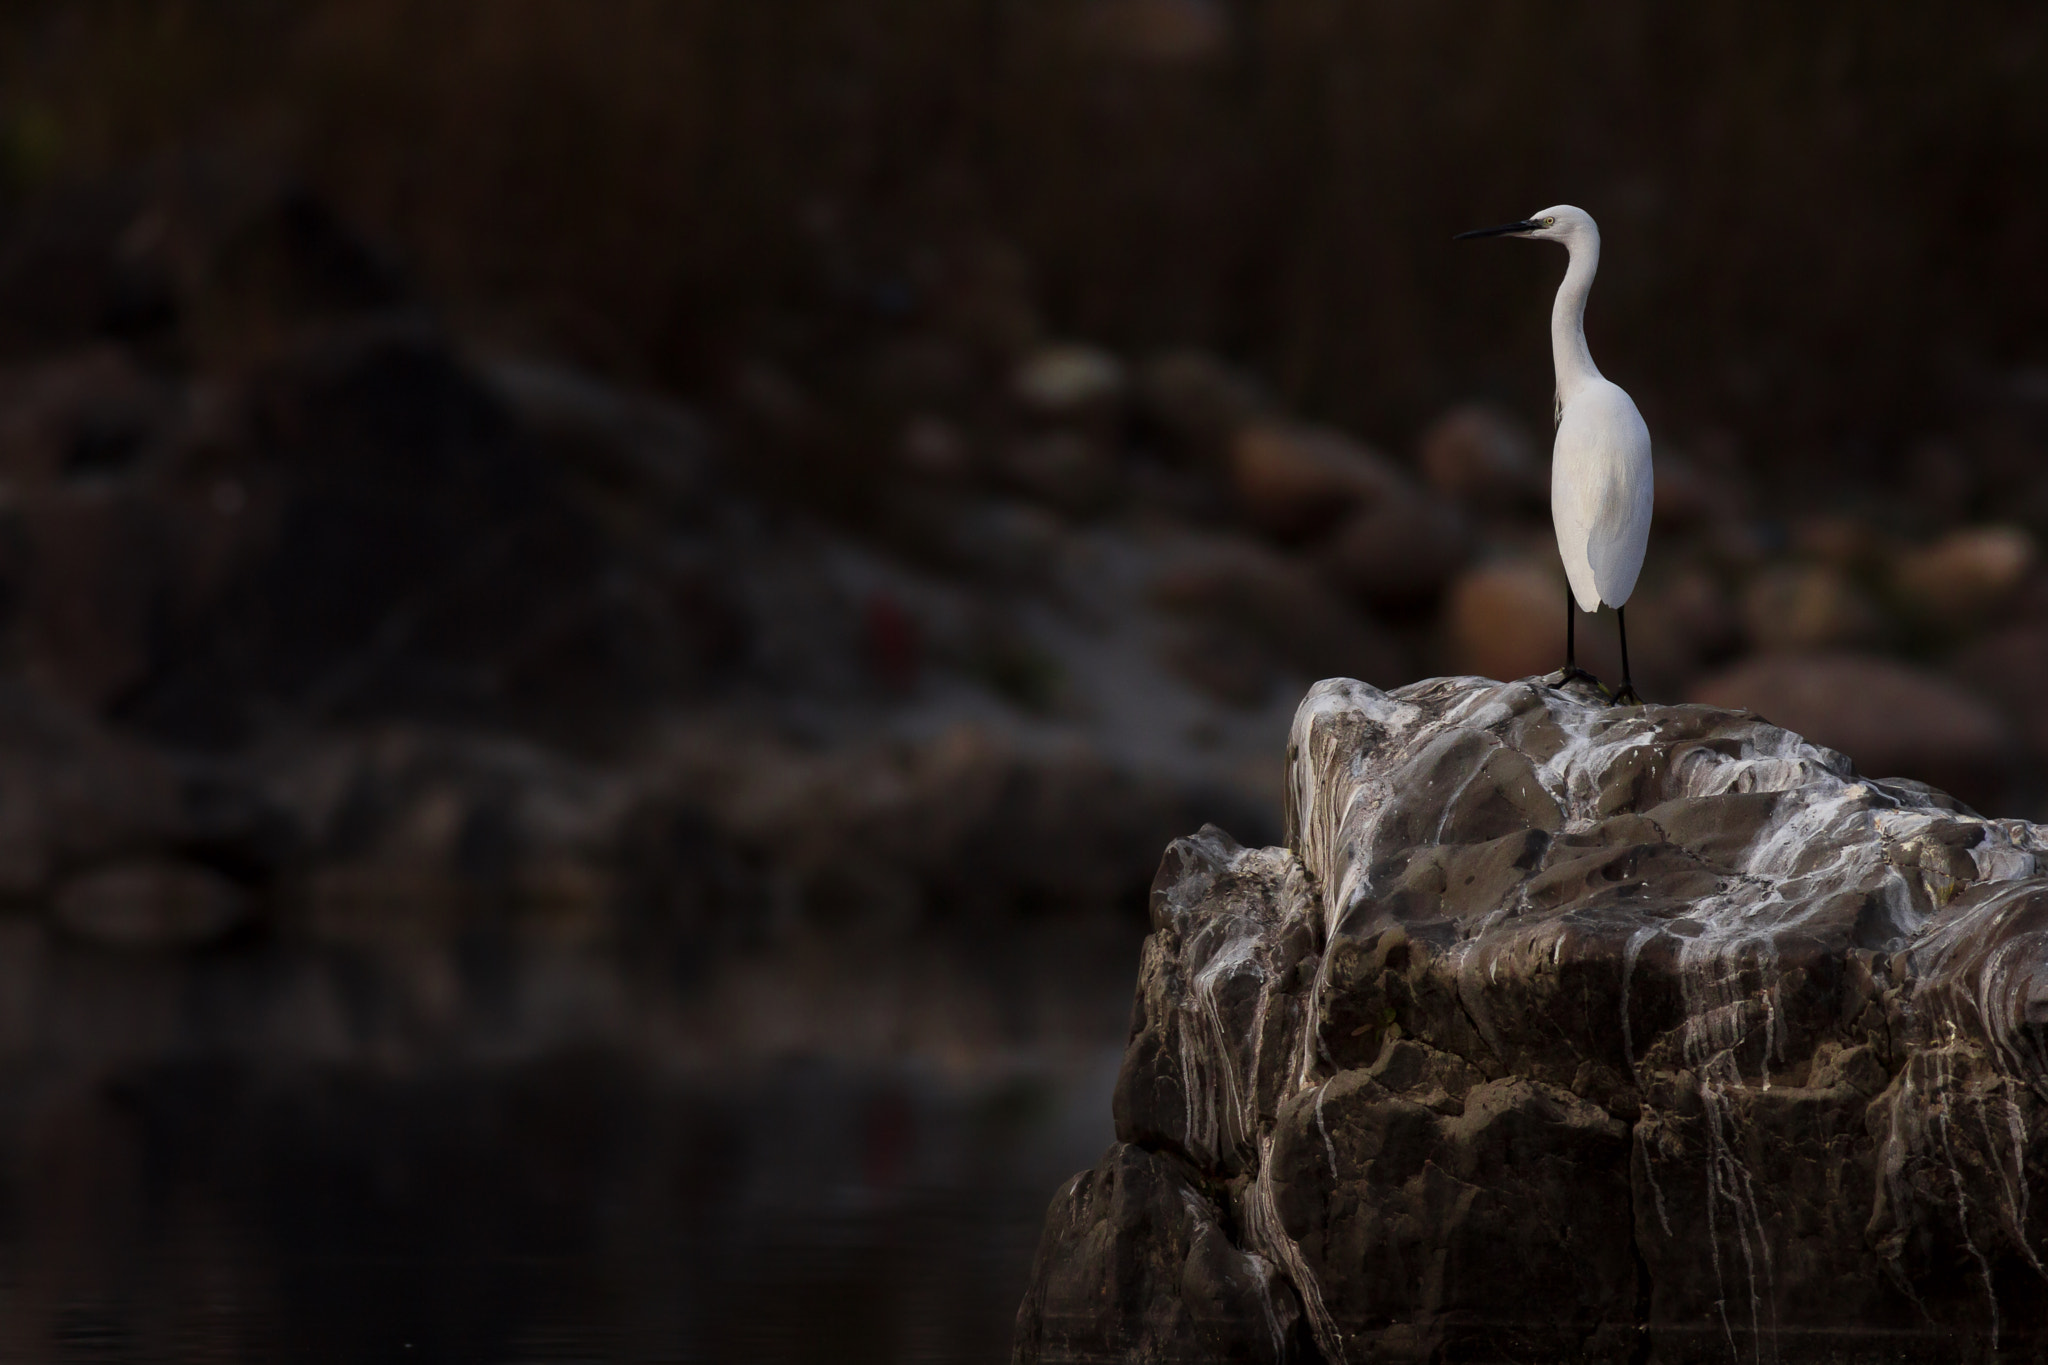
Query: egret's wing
(1617, 499)
(1575, 496)
(1556, 411)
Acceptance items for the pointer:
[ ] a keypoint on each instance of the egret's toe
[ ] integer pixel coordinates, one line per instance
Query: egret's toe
(1572, 673)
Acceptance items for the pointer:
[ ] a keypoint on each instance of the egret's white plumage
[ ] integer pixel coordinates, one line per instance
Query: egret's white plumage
(1600, 476)
(1600, 479)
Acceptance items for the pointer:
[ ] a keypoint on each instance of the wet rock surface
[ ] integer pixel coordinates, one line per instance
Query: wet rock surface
(1562, 1032)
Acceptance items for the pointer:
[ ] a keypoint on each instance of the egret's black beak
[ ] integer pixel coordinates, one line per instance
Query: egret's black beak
(1504, 230)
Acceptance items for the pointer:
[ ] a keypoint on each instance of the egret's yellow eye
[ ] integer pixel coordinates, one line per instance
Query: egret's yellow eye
(1550, 222)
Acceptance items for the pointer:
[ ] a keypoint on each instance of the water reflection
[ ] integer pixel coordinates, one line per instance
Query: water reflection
(866, 1184)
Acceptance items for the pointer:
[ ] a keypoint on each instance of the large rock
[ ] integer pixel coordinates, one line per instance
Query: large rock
(1481, 456)
(1963, 576)
(1888, 716)
(2010, 667)
(382, 530)
(1296, 481)
(1506, 618)
(1186, 1293)
(1069, 380)
(1255, 599)
(1563, 1032)
(1399, 551)
(74, 795)
(1809, 607)
(1198, 400)
(151, 903)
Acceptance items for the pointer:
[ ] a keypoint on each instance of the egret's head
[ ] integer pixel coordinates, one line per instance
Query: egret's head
(1563, 223)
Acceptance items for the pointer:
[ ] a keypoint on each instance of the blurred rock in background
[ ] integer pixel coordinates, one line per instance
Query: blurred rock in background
(249, 556)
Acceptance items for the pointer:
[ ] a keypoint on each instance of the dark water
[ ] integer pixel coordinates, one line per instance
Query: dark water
(290, 1152)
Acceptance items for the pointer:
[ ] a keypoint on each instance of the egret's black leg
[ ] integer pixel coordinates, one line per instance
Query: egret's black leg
(1627, 693)
(1572, 672)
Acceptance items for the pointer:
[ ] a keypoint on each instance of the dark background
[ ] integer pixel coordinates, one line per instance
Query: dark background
(1821, 222)
(605, 608)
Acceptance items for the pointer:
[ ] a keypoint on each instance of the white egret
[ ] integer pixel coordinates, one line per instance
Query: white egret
(1600, 478)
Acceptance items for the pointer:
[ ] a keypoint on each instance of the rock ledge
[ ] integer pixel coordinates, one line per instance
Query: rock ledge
(1560, 1032)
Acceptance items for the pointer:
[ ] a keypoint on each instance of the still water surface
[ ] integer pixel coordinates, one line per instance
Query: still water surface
(290, 1152)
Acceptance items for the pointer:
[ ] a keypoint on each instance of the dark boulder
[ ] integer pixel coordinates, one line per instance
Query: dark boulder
(1568, 1032)
(1136, 1236)
(380, 531)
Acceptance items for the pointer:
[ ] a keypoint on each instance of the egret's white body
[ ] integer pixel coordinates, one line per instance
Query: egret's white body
(1600, 476)
(1600, 480)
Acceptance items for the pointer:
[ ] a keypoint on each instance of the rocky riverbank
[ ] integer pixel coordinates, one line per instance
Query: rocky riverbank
(1562, 1032)
(313, 606)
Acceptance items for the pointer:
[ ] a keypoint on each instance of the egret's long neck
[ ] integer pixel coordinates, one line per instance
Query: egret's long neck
(1568, 316)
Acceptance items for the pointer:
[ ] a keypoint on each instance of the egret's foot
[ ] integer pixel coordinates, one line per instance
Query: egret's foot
(1627, 696)
(1572, 673)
